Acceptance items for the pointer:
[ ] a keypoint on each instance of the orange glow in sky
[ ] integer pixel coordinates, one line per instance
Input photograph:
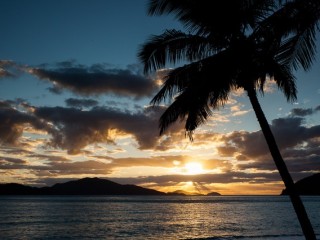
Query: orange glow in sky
(193, 168)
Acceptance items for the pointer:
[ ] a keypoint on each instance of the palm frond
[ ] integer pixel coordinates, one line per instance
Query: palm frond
(200, 88)
(265, 66)
(298, 50)
(215, 73)
(191, 105)
(293, 28)
(221, 19)
(285, 81)
(281, 74)
(173, 46)
(159, 7)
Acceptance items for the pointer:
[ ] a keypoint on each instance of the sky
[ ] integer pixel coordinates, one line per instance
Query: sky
(74, 103)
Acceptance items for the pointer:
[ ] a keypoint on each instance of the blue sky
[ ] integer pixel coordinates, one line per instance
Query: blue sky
(59, 129)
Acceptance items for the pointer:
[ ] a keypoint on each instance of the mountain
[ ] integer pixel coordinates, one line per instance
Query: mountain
(18, 189)
(307, 186)
(85, 186)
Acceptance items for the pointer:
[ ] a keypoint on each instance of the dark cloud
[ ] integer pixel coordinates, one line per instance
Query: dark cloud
(76, 129)
(12, 160)
(241, 158)
(309, 164)
(300, 146)
(79, 103)
(301, 112)
(97, 79)
(10, 163)
(84, 167)
(13, 121)
(9, 69)
(55, 168)
(227, 150)
(73, 128)
(55, 90)
(289, 132)
(248, 144)
(14, 150)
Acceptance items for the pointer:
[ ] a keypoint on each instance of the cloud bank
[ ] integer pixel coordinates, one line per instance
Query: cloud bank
(85, 80)
(97, 79)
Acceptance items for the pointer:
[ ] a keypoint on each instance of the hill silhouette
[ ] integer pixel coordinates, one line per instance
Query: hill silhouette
(307, 186)
(85, 186)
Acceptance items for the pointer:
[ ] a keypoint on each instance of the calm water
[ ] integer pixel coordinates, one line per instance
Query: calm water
(150, 217)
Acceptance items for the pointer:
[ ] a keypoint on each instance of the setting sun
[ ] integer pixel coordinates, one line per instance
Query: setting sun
(193, 168)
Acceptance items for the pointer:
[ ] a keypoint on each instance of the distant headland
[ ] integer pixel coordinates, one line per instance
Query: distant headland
(307, 186)
(86, 186)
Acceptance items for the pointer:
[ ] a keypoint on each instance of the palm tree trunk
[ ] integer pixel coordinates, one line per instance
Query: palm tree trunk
(281, 166)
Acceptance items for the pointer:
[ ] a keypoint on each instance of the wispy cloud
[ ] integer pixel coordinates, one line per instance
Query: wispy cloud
(79, 103)
(9, 69)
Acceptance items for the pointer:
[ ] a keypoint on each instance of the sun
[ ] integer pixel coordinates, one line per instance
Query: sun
(193, 168)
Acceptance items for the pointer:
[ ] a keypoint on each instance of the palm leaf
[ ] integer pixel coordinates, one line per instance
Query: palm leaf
(216, 74)
(294, 24)
(173, 46)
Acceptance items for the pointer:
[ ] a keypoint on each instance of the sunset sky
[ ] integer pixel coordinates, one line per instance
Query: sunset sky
(74, 103)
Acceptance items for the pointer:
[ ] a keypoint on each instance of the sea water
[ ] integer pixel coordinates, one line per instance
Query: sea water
(153, 217)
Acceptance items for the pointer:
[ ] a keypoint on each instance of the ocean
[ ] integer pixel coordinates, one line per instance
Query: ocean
(153, 217)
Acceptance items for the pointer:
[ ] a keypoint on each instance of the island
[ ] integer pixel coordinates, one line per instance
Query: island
(307, 186)
(85, 186)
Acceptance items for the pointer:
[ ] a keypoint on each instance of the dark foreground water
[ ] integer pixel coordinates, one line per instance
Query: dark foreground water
(149, 217)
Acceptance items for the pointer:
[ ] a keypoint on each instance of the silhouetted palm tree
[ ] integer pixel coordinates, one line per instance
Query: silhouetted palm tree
(231, 45)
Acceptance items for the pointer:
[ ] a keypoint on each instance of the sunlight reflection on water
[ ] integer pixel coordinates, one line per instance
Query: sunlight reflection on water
(149, 217)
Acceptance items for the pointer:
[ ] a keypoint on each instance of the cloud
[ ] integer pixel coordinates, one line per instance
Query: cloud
(79, 103)
(236, 110)
(228, 177)
(299, 145)
(170, 161)
(10, 160)
(9, 69)
(56, 168)
(289, 132)
(13, 121)
(96, 79)
(154, 161)
(300, 112)
(75, 128)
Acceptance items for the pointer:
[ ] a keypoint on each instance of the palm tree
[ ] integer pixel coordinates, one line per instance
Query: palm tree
(232, 45)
